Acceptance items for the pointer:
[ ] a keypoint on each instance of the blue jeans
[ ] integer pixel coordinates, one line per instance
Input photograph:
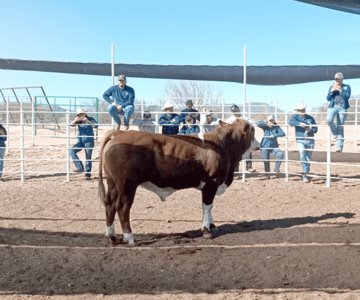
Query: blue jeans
(279, 155)
(305, 152)
(126, 111)
(338, 129)
(2, 154)
(88, 147)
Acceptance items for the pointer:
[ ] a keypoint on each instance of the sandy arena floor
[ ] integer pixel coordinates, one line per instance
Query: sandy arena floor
(276, 239)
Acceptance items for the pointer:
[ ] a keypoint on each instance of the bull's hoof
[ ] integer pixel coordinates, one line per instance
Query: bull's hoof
(207, 233)
(212, 226)
(114, 241)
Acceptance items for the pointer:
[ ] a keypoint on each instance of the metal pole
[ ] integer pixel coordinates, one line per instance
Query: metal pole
(33, 125)
(112, 74)
(7, 125)
(22, 144)
(356, 120)
(244, 83)
(67, 146)
(328, 158)
(112, 64)
(287, 149)
(244, 108)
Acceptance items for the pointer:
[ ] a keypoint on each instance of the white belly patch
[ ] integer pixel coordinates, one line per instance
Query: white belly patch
(161, 192)
(165, 192)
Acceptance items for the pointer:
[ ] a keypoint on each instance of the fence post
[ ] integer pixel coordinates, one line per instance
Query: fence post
(33, 122)
(356, 121)
(328, 158)
(287, 148)
(8, 126)
(22, 143)
(67, 146)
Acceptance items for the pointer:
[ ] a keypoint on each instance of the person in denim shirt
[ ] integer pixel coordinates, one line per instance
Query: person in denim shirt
(121, 99)
(338, 98)
(85, 140)
(269, 144)
(170, 121)
(189, 110)
(3, 138)
(305, 129)
(190, 127)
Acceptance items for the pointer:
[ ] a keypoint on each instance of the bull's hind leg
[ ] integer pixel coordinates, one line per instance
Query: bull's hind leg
(110, 212)
(123, 206)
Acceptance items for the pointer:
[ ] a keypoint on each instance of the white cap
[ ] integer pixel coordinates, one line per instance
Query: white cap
(208, 112)
(300, 106)
(339, 75)
(270, 118)
(80, 111)
(166, 106)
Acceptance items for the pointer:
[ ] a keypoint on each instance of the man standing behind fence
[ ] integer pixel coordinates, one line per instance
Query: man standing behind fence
(121, 99)
(338, 98)
(269, 144)
(85, 140)
(305, 129)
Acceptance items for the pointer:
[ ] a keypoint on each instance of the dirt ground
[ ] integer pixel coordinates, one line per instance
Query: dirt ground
(275, 239)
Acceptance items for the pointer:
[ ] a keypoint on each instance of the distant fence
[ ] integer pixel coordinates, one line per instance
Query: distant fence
(37, 148)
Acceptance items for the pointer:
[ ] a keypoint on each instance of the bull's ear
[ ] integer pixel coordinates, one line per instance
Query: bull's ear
(223, 123)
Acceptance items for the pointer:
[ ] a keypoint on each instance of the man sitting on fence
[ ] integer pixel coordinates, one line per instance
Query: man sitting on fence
(85, 140)
(121, 99)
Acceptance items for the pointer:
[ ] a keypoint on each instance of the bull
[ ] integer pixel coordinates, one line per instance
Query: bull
(164, 164)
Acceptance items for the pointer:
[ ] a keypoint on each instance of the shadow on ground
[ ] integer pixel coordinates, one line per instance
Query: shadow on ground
(263, 254)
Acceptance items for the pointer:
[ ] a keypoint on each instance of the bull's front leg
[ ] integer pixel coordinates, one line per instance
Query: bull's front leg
(208, 195)
(207, 221)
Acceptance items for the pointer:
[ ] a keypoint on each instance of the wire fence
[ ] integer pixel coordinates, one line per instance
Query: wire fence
(36, 148)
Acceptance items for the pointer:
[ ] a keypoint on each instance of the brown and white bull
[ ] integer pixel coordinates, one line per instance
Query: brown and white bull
(165, 164)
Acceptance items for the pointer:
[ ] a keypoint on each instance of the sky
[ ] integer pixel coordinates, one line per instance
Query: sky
(187, 32)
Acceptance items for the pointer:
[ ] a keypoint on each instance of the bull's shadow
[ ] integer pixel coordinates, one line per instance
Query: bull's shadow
(243, 227)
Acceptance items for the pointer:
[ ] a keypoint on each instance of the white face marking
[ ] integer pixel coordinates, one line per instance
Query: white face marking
(110, 230)
(253, 146)
(221, 189)
(161, 192)
(207, 216)
(201, 136)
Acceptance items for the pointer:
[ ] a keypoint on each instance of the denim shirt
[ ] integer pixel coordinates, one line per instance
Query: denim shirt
(189, 111)
(3, 138)
(300, 132)
(86, 130)
(170, 123)
(123, 97)
(189, 130)
(270, 134)
(341, 99)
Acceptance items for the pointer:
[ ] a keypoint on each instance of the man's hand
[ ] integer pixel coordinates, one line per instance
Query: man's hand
(336, 87)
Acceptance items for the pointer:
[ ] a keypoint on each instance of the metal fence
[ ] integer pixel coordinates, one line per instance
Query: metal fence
(38, 147)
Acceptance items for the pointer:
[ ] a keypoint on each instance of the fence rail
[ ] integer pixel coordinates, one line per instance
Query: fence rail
(37, 149)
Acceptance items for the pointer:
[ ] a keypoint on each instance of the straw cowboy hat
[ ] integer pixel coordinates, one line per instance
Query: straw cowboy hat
(166, 106)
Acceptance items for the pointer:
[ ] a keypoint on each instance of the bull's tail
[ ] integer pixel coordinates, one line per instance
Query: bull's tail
(101, 188)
